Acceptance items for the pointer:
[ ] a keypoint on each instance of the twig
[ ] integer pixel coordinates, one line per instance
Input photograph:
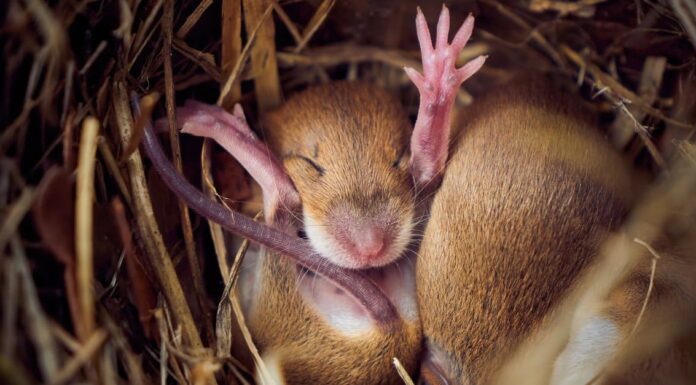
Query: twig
(534, 34)
(144, 33)
(342, 53)
(84, 221)
(223, 324)
(67, 92)
(263, 53)
(112, 166)
(402, 372)
(653, 268)
(580, 8)
(147, 104)
(314, 23)
(10, 302)
(265, 376)
(618, 88)
(191, 256)
(685, 10)
(14, 216)
(193, 18)
(160, 260)
(283, 16)
(234, 74)
(204, 60)
(626, 124)
(88, 349)
(231, 47)
(95, 55)
(33, 317)
(216, 232)
(68, 341)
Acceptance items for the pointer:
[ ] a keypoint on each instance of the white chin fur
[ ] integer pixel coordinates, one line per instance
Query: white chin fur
(322, 242)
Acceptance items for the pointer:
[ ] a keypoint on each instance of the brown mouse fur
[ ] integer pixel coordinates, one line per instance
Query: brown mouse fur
(299, 347)
(529, 193)
(363, 162)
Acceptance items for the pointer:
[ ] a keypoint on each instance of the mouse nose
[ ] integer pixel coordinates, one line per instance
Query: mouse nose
(360, 240)
(368, 240)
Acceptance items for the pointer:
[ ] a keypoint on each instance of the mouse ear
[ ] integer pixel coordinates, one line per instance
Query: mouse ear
(437, 85)
(232, 132)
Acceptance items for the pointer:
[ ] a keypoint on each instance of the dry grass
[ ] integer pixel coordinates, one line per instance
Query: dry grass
(104, 240)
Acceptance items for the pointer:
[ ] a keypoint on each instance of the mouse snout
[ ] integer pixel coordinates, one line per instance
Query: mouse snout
(360, 235)
(369, 240)
(364, 239)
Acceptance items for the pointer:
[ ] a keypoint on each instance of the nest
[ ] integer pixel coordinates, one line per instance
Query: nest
(98, 254)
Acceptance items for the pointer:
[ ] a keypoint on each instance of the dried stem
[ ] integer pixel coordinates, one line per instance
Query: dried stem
(192, 257)
(159, 258)
(84, 221)
(263, 53)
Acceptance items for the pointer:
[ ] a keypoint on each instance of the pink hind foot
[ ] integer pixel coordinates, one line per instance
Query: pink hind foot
(437, 87)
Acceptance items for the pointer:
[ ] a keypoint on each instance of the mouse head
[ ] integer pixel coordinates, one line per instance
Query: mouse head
(344, 147)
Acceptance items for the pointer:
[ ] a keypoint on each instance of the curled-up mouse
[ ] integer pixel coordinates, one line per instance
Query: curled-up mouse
(529, 195)
(341, 165)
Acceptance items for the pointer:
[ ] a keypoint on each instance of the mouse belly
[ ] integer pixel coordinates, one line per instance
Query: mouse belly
(300, 321)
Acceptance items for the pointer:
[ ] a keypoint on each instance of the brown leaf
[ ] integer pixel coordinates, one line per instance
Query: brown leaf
(54, 214)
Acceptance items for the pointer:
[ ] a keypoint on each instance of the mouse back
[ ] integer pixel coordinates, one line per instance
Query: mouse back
(529, 193)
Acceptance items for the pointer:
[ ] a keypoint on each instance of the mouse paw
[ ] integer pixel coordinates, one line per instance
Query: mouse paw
(211, 121)
(440, 78)
(232, 132)
(437, 85)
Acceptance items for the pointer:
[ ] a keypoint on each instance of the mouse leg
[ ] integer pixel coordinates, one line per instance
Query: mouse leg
(232, 132)
(437, 85)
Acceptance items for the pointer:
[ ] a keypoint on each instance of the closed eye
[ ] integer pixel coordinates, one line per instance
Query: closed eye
(317, 167)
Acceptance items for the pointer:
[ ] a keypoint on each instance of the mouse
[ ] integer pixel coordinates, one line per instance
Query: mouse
(513, 246)
(529, 191)
(341, 166)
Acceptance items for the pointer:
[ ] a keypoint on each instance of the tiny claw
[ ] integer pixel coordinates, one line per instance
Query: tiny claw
(443, 25)
(423, 33)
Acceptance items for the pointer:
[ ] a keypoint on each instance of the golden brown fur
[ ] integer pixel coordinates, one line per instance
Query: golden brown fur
(529, 193)
(358, 155)
(309, 351)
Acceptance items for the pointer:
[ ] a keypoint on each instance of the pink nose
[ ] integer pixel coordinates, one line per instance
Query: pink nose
(368, 240)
